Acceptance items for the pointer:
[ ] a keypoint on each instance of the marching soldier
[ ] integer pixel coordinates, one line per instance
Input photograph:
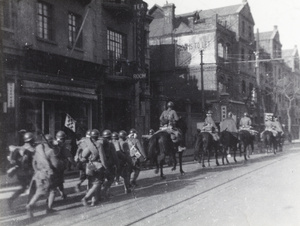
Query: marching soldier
(136, 151)
(64, 155)
(95, 159)
(21, 161)
(112, 162)
(44, 173)
(82, 144)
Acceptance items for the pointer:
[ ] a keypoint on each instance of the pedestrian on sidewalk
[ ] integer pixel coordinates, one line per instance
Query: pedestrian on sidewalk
(21, 160)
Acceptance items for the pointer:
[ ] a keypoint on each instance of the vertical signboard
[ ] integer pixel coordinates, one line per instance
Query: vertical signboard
(10, 95)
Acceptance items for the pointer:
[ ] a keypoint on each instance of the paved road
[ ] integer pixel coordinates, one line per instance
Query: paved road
(263, 191)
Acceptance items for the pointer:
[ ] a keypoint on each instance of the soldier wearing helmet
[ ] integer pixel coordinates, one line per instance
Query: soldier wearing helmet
(21, 160)
(210, 126)
(43, 181)
(136, 152)
(112, 161)
(126, 164)
(94, 156)
(81, 165)
(169, 117)
(151, 132)
(245, 122)
(229, 125)
(64, 154)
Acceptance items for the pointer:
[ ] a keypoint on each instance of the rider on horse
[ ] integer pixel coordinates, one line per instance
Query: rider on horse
(168, 121)
(245, 124)
(210, 126)
(229, 125)
(277, 126)
(269, 126)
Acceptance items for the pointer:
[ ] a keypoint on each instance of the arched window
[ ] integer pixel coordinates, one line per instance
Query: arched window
(220, 50)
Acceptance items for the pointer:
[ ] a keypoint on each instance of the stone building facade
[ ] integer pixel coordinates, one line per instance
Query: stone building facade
(85, 58)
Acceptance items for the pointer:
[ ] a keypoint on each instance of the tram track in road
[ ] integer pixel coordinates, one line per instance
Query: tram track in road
(225, 185)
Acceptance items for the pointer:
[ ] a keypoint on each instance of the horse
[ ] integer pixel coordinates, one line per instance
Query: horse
(161, 145)
(228, 140)
(270, 141)
(204, 145)
(246, 139)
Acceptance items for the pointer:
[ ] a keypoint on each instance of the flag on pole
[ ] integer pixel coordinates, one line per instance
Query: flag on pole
(70, 123)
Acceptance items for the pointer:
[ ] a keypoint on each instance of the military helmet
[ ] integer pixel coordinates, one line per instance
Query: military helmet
(209, 112)
(122, 134)
(49, 137)
(61, 135)
(106, 133)
(230, 114)
(115, 135)
(28, 137)
(95, 133)
(88, 133)
(170, 104)
(132, 131)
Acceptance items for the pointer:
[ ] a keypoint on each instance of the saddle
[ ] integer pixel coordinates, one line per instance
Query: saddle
(175, 133)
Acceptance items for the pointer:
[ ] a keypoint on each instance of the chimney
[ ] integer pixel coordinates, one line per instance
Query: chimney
(245, 2)
(169, 11)
(275, 27)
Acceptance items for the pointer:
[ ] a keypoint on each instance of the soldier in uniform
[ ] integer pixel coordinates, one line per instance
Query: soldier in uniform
(278, 127)
(21, 159)
(245, 122)
(41, 183)
(169, 117)
(229, 125)
(95, 158)
(112, 162)
(82, 144)
(136, 151)
(269, 127)
(210, 126)
(125, 161)
(64, 155)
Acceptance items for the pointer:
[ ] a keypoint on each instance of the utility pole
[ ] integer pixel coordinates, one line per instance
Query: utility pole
(202, 82)
(258, 89)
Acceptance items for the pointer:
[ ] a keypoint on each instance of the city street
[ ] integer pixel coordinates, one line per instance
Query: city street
(263, 191)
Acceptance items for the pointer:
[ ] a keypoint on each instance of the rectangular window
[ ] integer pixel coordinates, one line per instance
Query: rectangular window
(74, 23)
(7, 21)
(44, 21)
(116, 50)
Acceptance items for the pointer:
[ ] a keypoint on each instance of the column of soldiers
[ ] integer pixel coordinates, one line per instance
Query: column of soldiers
(100, 160)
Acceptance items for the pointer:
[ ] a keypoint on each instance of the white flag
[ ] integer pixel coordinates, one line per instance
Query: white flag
(70, 123)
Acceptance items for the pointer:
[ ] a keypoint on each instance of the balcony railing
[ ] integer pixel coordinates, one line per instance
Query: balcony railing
(45, 63)
(118, 6)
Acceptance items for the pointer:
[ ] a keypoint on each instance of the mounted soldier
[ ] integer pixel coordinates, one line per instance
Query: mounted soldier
(229, 125)
(246, 124)
(278, 127)
(269, 126)
(210, 126)
(168, 121)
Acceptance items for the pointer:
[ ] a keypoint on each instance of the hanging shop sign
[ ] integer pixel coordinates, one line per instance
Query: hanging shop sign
(10, 95)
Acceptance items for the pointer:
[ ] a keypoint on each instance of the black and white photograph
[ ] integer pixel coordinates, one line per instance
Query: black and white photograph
(149, 112)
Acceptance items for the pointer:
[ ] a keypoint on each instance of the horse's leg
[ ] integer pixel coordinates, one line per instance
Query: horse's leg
(161, 164)
(234, 152)
(216, 153)
(245, 152)
(157, 166)
(174, 157)
(180, 162)
(226, 155)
